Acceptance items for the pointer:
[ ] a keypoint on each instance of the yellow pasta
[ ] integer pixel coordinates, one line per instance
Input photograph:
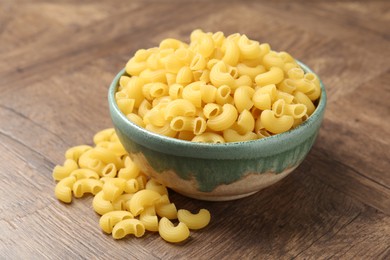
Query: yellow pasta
(231, 135)
(110, 219)
(194, 221)
(219, 75)
(122, 202)
(224, 120)
(245, 122)
(63, 189)
(142, 199)
(149, 219)
(75, 152)
(84, 174)
(179, 107)
(171, 233)
(275, 124)
(209, 137)
(80, 187)
(274, 76)
(62, 171)
(128, 226)
(128, 201)
(167, 210)
(156, 186)
(243, 98)
(100, 205)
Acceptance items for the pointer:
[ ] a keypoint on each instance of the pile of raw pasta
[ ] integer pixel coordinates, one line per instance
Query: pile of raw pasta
(129, 201)
(216, 89)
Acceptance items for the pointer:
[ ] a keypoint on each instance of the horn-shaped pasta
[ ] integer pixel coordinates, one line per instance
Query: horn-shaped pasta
(109, 170)
(84, 174)
(296, 110)
(121, 203)
(305, 100)
(132, 186)
(83, 186)
(149, 76)
(163, 130)
(206, 45)
(142, 199)
(154, 185)
(126, 105)
(208, 93)
(279, 107)
(75, 152)
(62, 171)
(171, 233)
(274, 76)
(272, 59)
(219, 75)
(179, 107)
(110, 219)
(175, 91)
(245, 122)
(127, 227)
(224, 120)
(243, 98)
(63, 189)
(198, 62)
(100, 205)
(232, 52)
(275, 124)
(251, 72)
(231, 135)
(105, 156)
(194, 221)
(223, 95)
(184, 76)
(113, 188)
(248, 49)
(134, 90)
(149, 218)
(167, 210)
(131, 170)
(192, 93)
(211, 110)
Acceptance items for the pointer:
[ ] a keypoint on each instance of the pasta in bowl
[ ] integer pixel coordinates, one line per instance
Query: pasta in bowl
(216, 124)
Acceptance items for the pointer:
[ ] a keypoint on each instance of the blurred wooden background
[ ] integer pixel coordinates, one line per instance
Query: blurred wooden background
(57, 59)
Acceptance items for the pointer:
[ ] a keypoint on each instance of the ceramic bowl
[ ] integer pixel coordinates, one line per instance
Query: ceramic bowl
(216, 172)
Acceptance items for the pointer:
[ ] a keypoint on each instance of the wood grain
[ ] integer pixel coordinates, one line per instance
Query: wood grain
(58, 58)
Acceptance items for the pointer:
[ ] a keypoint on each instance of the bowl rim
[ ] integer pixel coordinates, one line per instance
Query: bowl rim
(238, 150)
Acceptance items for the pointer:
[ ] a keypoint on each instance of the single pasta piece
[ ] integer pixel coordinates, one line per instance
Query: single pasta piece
(101, 136)
(243, 98)
(60, 172)
(224, 120)
(149, 218)
(154, 185)
(84, 174)
(142, 199)
(83, 186)
(100, 205)
(75, 152)
(194, 221)
(167, 210)
(171, 233)
(63, 189)
(231, 135)
(274, 76)
(122, 202)
(275, 124)
(128, 226)
(110, 219)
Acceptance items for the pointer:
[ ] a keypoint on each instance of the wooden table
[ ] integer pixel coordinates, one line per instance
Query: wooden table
(57, 59)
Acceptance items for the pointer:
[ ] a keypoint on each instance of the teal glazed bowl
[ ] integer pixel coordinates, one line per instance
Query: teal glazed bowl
(216, 172)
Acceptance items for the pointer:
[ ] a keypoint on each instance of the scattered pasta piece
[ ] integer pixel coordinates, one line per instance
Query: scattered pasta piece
(128, 201)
